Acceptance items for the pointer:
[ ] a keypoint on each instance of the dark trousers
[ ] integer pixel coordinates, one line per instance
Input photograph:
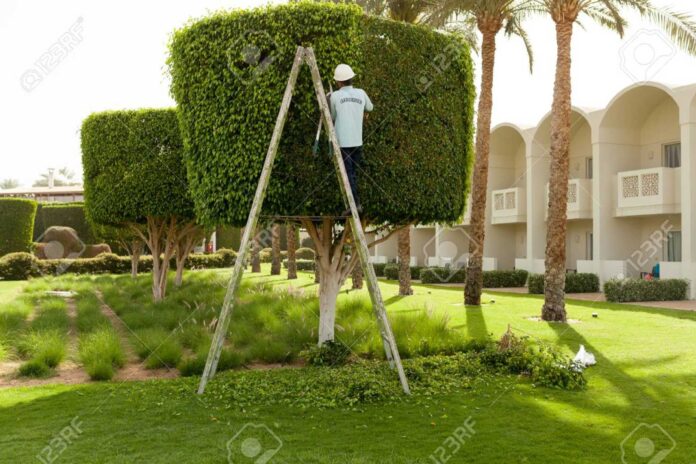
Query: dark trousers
(352, 157)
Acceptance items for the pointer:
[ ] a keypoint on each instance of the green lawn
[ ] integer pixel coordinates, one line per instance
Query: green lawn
(645, 374)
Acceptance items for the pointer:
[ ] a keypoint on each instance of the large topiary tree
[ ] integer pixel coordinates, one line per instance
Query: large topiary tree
(16, 224)
(134, 176)
(229, 72)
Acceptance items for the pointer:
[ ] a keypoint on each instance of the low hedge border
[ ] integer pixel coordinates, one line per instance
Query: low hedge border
(391, 271)
(575, 283)
(628, 290)
(491, 279)
(21, 266)
(302, 264)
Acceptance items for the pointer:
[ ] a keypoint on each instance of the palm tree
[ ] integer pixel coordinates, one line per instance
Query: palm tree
(489, 17)
(565, 13)
(9, 184)
(291, 238)
(64, 177)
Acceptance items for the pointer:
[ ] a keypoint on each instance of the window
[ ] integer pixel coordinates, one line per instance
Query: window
(671, 155)
(588, 168)
(674, 246)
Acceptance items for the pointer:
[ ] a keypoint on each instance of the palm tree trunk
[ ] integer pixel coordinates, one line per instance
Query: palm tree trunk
(404, 244)
(357, 277)
(291, 233)
(474, 272)
(255, 258)
(275, 249)
(554, 279)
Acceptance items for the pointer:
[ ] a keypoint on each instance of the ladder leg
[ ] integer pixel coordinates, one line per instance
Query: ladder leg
(228, 303)
(388, 340)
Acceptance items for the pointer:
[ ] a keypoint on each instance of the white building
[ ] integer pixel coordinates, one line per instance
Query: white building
(631, 193)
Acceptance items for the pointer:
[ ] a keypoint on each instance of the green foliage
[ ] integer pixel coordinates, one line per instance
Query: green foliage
(329, 354)
(574, 283)
(379, 269)
(391, 271)
(301, 264)
(133, 167)
(66, 215)
(500, 279)
(34, 368)
(157, 347)
(304, 253)
(266, 255)
(423, 76)
(18, 266)
(101, 352)
(16, 225)
(228, 237)
(438, 275)
(44, 346)
(627, 290)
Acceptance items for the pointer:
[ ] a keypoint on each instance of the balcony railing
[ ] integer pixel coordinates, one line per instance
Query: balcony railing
(579, 199)
(509, 206)
(648, 191)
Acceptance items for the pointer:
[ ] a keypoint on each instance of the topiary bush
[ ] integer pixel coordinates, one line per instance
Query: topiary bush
(501, 279)
(628, 290)
(304, 253)
(302, 264)
(16, 225)
(228, 110)
(18, 266)
(574, 283)
(438, 275)
(391, 271)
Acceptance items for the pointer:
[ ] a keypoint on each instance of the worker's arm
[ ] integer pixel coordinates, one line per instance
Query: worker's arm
(332, 104)
(368, 103)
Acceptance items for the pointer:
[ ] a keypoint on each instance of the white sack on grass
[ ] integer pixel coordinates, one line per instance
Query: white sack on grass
(584, 357)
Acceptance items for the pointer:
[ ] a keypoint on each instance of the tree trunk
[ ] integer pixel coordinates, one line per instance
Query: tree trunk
(357, 277)
(255, 258)
(136, 250)
(275, 249)
(160, 238)
(474, 272)
(329, 287)
(291, 232)
(404, 244)
(554, 279)
(317, 272)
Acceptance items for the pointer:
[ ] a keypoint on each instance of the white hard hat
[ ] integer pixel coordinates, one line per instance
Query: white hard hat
(343, 73)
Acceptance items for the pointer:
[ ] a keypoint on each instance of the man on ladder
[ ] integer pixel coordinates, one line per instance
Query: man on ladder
(348, 106)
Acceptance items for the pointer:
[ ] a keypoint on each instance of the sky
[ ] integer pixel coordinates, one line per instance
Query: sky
(61, 61)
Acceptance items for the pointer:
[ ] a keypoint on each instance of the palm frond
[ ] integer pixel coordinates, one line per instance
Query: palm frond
(680, 26)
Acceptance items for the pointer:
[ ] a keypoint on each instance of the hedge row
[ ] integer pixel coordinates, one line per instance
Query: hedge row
(626, 290)
(391, 271)
(302, 264)
(21, 266)
(575, 283)
(491, 279)
(16, 224)
(66, 215)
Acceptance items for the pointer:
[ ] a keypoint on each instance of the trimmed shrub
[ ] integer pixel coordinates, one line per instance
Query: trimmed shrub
(304, 253)
(63, 214)
(228, 256)
(379, 268)
(18, 266)
(501, 279)
(391, 271)
(628, 290)
(575, 283)
(392, 60)
(266, 255)
(439, 275)
(302, 264)
(17, 225)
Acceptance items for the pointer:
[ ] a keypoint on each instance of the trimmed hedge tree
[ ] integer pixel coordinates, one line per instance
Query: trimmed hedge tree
(16, 225)
(134, 176)
(417, 140)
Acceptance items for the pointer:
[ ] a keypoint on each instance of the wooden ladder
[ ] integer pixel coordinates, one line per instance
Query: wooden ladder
(304, 55)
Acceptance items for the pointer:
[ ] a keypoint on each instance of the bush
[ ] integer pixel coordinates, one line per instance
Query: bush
(391, 271)
(439, 275)
(101, 352)
(501, 279)
(392, 60)
(628, 290)
(66, 215)
(228, 255)
(34, 368)
(304, 253)
(302, 264)
(575, 283)
(266, 255)
(379, 269)
(329, 354)
(16, 225)
(18, 266)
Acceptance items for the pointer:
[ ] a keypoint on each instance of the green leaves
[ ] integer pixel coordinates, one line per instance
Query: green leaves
(17, 224)
(229, 72)
(133, 166)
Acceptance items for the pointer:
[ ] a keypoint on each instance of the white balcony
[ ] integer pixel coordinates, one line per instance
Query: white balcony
(579, 199)
(509, 206)
(648, 191)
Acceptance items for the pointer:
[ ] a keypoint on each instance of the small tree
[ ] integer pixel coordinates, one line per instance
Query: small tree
(125, 238)
(135, 177)
(425, 151)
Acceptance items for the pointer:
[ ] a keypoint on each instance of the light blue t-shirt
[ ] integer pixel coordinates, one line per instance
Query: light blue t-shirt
(348, 106)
